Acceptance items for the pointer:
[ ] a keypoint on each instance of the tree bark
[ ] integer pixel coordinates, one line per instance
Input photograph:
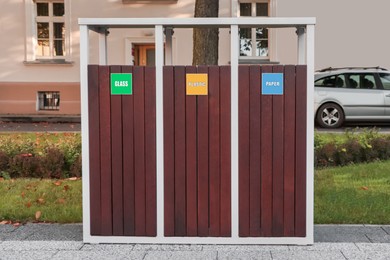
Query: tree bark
(205, 40)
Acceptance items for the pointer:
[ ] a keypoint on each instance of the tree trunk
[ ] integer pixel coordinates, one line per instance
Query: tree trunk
(205, 41)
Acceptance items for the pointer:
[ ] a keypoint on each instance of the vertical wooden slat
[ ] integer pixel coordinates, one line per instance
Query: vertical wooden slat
(191, 162)
(300, 167)
(277, 161)
(169, 154)
(254, 151)
(243, 151)
(105, 150)
(266, 161)
(94, 148)
(289, 150)
(225, 151)
(116, 160)
(150, 150)
(139, 147)
(214, 152)
(203, 163)
(180, 152)
(128, 161)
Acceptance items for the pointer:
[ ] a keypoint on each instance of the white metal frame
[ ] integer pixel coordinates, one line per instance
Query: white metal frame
(305, 26)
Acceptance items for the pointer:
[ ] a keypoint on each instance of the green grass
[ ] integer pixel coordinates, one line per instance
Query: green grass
(356, 194)
(57, 200)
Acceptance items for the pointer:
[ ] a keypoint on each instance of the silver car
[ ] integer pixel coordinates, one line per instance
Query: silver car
(351, 94)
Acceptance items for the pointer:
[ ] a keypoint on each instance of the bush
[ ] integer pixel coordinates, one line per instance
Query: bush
(40, 155)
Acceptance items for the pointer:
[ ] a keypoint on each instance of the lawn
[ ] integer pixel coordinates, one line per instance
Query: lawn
(44, 200)
(356, 194)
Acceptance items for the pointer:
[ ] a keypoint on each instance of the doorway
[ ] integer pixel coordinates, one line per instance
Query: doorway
(144, 54)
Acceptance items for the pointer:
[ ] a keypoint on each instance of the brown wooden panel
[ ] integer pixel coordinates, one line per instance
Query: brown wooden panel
(277, 165)
(289, 150)
(243, 138)
(266, 161)
(139, 147)
(203, 163)
(116, 160)
(94, 148)
(254, 151)
(225, 151)
(214, 152)
(191, 162)
(150, 151)
(105, 150)
(300, 166)
(180, 152)
(169, 155)
(128, 161)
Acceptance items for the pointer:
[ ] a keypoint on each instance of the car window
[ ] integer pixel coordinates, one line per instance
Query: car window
(335, 81)
(361, 81)
(385, 78)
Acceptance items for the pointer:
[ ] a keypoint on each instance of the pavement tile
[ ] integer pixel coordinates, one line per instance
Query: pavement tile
(108, 247)
(374, 255)
(7, 228)
(242, 255)
(180, 255)
(167, 247)
(308, 255)
(386, 229)
(58, 232)
(98, 255)
(265, 248)
(325, 247)
(27, 255)
(40, 245)
(372, 247)
(346, 233)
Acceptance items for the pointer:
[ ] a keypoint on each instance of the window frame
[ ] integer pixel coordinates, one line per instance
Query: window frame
(41, 97)
(253, 57)
(31, 40)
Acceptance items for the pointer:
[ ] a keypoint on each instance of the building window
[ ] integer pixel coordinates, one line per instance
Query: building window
(49, 100)
(254, 41)
(50, 29)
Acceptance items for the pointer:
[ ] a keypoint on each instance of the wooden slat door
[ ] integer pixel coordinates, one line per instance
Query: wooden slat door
(197, 154)
(272, 154)
(122, 138)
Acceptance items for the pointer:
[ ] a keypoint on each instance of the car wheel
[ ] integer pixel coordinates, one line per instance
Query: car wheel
(330, 115)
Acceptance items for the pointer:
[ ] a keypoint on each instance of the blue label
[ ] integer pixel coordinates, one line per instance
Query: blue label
(272, 84)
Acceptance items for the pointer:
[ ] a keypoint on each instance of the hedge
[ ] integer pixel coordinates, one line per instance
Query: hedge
(44, 155)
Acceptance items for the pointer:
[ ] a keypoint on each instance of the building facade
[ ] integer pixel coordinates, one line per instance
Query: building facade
(39, 62)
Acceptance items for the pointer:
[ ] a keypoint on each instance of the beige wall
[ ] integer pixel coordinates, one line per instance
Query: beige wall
(348, 32)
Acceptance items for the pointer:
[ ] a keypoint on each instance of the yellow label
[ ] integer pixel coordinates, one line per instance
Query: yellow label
(197, 84)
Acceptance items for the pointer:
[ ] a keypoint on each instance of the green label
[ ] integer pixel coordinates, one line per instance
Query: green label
(121, 83)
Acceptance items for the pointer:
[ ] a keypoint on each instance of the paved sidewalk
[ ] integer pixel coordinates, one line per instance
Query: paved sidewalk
(55, 241)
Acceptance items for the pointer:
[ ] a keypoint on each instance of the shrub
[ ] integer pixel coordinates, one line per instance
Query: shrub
(4, 159)
(53, 163)
(349, 152)
(25, 165)
(325, 155)
(76, 168)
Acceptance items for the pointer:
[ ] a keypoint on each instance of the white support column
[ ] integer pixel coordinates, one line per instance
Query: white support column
(234, 52)
(168, 46)
(310, 133)
(103, 47)
(160, 129)
(301, 45)
(84, 59)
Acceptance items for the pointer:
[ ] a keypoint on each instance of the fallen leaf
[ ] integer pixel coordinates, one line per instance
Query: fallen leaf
(4, 222)
(66, 187)
(17, 224)
(1, 179)
(28, 204)
(38, 215)
(61, 201)
(73, 179)
(57, 183)
(40, 201)
(23, 194)
(364, 188)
